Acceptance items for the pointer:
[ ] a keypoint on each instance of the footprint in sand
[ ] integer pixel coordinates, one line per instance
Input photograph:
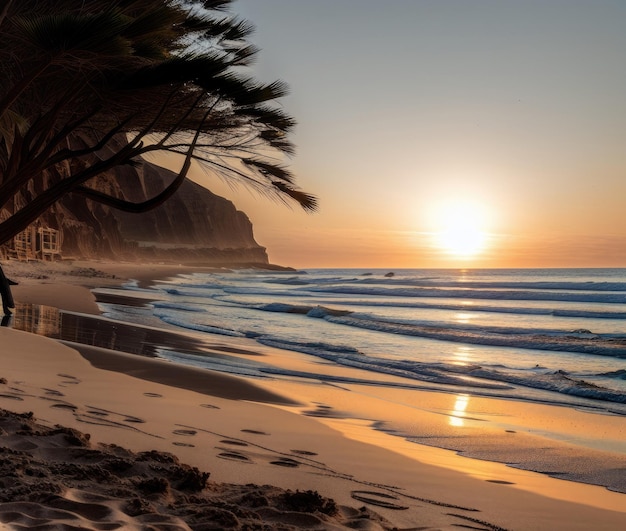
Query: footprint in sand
(255, 432)
(52, 392)
(69, 379)
(153, 395)
(11, 397)
(184, 432)
(97, 413)
(98, 416)
(209, 406)
(323, 411)
(234, 456)
(302, 452)
(64, 406)
(134, 420)
(100, 412)
(286, 462)
(380, 499)
(233, 443)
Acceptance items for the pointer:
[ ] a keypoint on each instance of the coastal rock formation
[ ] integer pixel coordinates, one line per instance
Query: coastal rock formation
(193, 226)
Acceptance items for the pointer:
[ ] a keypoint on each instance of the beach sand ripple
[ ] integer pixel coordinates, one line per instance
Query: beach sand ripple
(54, 477)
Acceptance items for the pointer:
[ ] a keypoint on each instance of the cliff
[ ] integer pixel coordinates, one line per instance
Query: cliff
(193, 226)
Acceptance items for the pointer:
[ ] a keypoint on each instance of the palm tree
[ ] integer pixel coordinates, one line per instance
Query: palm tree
(88, 86)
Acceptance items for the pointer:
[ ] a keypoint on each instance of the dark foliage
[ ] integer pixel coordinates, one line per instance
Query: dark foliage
(90, 86)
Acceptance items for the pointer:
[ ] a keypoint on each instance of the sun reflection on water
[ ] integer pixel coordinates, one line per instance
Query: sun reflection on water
(462, 355)
(463, 317)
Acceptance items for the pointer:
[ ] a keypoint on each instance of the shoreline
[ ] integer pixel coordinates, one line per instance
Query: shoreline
(384, 457)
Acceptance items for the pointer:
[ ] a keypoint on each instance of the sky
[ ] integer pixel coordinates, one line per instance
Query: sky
(447, 133)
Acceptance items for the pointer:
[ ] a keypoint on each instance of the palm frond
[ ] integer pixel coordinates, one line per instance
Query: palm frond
(307, 201)
(244, 56)
(269, 116)
(60, 32)
(278, 140)
(238, 30)
(268, 170)
(178, 69)
(245, 92)
(157, 19)
(216, 5)
(11, 121)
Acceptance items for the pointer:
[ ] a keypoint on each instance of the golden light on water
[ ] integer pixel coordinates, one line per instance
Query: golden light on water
(463, 317)
(462, 355)
(458, 411)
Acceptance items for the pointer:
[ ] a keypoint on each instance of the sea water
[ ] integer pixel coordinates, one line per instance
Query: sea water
(544, 335)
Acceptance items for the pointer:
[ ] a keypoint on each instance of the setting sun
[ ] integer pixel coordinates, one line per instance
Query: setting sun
(461, 229)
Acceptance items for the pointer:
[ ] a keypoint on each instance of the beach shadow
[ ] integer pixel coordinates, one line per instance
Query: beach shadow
(96, 331)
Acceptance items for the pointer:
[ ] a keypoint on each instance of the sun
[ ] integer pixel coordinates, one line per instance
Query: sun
(460, 228)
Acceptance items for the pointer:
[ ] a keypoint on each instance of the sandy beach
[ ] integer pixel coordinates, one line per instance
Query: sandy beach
(99, 439)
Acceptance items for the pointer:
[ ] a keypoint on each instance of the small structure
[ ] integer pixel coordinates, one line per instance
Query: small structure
(48, 243)
(24, 245)
(33, 243)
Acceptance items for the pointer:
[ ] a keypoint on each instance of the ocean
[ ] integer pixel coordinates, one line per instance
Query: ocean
(555, 336)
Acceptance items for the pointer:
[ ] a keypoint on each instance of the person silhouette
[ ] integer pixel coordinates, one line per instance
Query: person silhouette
(5, 292)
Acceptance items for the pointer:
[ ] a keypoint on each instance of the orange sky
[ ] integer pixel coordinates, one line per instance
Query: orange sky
(515, 108)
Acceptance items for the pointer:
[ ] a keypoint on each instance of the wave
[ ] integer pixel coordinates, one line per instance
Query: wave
(585, 314)
(467, 293)
(351, 357)
(222, 363)
(579, 341)
(178, 306)
(474, 307)
(448, 282)
(387, 296)
(619, 374)
(369, 303)
(509, 284)
(199, 327)
(486, 379)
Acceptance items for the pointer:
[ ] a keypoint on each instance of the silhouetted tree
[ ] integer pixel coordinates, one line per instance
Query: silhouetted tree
(166, 76)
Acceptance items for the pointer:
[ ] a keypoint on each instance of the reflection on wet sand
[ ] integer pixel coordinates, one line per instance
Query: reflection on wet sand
(98, 331)
(458, 412)
(36, 318)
